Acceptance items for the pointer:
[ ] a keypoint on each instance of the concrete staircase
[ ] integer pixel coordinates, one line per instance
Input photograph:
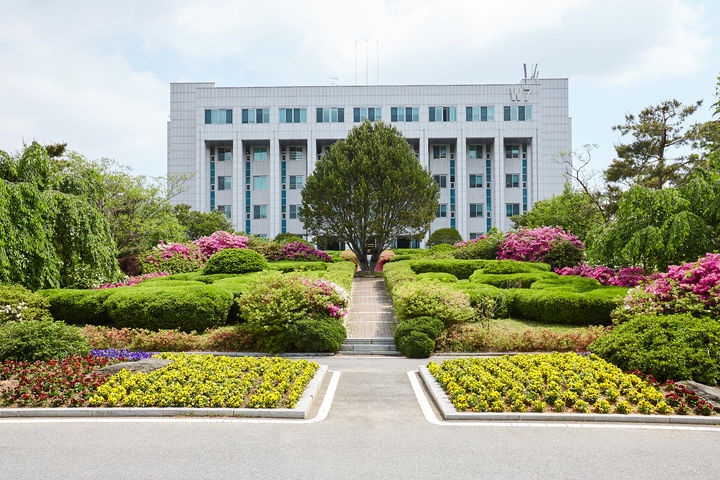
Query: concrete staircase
(369, 346)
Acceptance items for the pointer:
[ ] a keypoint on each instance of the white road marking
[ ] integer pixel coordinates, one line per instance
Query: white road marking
(430, 416)
(321, 415)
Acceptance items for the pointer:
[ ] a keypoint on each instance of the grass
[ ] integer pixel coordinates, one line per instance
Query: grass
(517, 324)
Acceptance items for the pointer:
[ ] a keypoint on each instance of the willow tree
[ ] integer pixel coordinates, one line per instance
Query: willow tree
(368, 190)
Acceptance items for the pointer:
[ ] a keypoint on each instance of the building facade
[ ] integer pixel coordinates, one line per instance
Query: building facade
(493, 149)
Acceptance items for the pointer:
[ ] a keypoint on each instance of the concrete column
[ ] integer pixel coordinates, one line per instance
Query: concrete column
(311, 153)
(498, 172)
(202, 178)
(238, 183)
(275, 186)
(424, 151)
(462, 206)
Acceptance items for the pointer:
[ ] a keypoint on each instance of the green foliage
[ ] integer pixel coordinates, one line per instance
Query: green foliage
(319, 333)
(497, 267)
(679, 347)
(572, 210)
(564, 254)
(200, 224)
(441, 250)
(295, 266)
(432, 327)
(416, 344)
(187, 308)
(19, 303)
(485, 248)
(559, 306)
(462, 269)
(424, 299)
(289, 238)
(396, 273)
(33, 340)
(267, 248)
(50, 237)
(567, 282)
(487, 300)
(235, 260)
(511, 280)
(448, 236)
(368, 190)
(437, 277)
(79, 307)
(340, 273)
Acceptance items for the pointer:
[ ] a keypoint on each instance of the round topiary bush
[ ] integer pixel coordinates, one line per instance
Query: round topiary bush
(421, 299)
(32, 340)
(677, 347)
(449, 236)
(235, 260)
(432, 327)
(319, 333)
(416, 345)
(289, 238)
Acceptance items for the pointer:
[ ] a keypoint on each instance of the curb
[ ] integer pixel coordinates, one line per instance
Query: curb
(301, 410)
(260, 354)
(448, 411)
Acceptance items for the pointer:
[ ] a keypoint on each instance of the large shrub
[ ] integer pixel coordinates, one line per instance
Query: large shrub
(396, 273)
(32, 340)
(511, 280)
(415, 337)
(271, 305)
(289, 238)
(482, 247)
(560, 306)
(440, 236)
(425, 299)
(79, 307)
(316, 333)
(235, 260)
(220, 240)
(269, 249)
(533, 245)
(19, 303)
(691, 287)
(462, 269)
(623, 277)
(301, 251)
(187, 308)
(189, 257)
(679, 347)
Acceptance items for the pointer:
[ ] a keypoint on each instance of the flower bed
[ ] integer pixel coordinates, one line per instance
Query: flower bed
(560, 382)
(121, 355)
(209, 381)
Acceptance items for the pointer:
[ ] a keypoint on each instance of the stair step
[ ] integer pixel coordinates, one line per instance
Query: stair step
(367, 348)
(370, 341)
(371, 352)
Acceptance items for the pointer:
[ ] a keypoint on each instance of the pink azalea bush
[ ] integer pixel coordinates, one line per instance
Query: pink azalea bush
(303, 252)
(532, 245)
(188, 257)
(330, 295)
(130, 281)
(691, 287)
(220, 240)
(624, 277)
(385, 257)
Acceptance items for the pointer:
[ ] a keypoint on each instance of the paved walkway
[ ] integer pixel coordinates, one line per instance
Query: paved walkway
(371, 310)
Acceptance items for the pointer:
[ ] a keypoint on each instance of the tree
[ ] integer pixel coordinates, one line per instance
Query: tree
(367, 190)
(201, 224)
(603, 197)
(657, 131)
(449, 236)
(572, 210)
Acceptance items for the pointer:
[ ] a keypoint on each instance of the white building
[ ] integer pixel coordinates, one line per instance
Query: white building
(492, 148)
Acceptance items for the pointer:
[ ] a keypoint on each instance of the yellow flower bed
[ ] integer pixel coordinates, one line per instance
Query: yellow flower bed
(548, 382)
(210, 381)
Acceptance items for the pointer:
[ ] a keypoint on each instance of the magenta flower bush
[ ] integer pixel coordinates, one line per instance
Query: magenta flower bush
(130, 281)
(532, 245)
(220, 240)
(303, 252)
(385, 256)
(625, 277)
(189, 257)
(691, 287)
(331, 296)
(465, 243)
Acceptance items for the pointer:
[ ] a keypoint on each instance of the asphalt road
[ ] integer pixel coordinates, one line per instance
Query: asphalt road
(375, 430)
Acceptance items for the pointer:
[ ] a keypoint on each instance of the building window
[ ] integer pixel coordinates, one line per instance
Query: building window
(218, 116)
(330, 115)
(295, 153)
(512, 180)
(255, 115)
(260, 154)
(439, 152)
(480, 114)
(476, 210)
(362, 114)
(296, 182)
(293, 115)
(512, 209)
(476, 181)
(226, 209)
(475, 152)
(260, 182)
(442, 114)
(224, 183)
(517, 113)
(404, 114)
(512, 151)
(474, 235)
(259, 211)
(441, 180)
(294, 212)
(224, 154)
(441, 210)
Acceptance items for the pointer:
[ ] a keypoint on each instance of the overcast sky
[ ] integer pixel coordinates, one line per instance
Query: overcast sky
(96, 74)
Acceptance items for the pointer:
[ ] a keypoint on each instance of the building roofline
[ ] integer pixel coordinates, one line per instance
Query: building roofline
(375, 86)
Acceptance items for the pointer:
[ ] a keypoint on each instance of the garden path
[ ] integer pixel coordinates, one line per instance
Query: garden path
(371, 310)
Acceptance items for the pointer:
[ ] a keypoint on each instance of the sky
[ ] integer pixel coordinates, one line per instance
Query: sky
(96, 74)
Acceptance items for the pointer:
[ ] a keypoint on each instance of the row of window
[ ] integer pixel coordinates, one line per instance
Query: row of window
(476, 210)
(512, 180)
(260, 182)
(260, 212)
(397, 114)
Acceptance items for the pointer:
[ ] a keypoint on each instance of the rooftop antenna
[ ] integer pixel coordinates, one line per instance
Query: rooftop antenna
(536, 71)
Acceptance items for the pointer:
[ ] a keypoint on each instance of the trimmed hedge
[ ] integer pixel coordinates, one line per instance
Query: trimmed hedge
(341, 273)
(481, 294)
(416, 345)
(397, 273)
(460, 268)
(678, 347)
(169, 284)
(432, 327)
(33, 340)
(437, 277)
(485, 248)
(286, 266)
(558, 306)
(424, 299)
(568, 282)
(187, 308)
(444, 236)
(80, 307)
(513, 280)
(500, 267)
(321, 333)
(235, 260)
